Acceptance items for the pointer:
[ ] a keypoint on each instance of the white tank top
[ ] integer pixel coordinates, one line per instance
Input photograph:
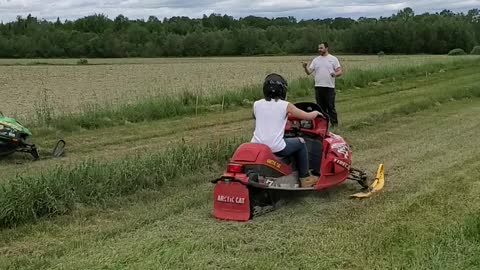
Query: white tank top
(270, 121)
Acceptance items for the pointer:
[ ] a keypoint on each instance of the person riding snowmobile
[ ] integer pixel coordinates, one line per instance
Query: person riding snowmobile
(270, 115)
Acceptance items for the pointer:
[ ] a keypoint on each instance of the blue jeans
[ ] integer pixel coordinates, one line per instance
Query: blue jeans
(297, 148)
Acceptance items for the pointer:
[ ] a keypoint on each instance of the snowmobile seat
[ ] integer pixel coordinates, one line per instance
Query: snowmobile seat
(286, 160)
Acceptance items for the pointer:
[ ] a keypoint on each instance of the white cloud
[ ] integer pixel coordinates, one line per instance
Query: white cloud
(71, 9)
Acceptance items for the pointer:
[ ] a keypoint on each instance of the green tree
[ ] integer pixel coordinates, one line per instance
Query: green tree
(216, 34)
(173, 45)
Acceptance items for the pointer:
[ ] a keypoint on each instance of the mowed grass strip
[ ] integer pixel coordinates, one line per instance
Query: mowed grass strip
(426, 218)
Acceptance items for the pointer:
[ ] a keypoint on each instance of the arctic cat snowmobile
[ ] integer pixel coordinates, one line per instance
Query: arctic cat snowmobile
(255, 180)
(13, 138)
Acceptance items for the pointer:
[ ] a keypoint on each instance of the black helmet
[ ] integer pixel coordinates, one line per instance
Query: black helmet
(275, 86)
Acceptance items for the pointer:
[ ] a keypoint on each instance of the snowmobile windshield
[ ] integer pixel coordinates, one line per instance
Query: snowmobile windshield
(308, 106)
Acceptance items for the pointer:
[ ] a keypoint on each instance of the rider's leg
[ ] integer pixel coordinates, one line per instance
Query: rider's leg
(296, 147)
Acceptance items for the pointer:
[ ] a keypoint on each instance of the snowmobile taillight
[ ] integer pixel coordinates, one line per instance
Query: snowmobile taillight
(234, 168)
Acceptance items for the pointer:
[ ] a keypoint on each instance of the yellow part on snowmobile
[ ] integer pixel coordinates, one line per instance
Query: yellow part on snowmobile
(376, 186)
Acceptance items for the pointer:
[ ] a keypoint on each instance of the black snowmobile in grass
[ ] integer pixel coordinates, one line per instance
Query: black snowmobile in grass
(13, 138)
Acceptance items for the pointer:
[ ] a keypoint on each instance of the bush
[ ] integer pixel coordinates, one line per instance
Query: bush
(381, 54)
(82, 61)
(475, 50)
(457, 51)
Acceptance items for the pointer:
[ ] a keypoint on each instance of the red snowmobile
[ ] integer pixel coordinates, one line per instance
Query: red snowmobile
(255, 178)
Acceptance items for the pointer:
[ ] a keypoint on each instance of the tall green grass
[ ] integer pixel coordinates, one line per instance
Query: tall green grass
(24, 199)
(189, 103)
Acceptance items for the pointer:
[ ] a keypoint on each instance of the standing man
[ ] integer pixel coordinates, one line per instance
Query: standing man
(326, 68)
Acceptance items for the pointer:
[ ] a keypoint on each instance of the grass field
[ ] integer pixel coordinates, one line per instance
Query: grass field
(59, 86)
(148, 199)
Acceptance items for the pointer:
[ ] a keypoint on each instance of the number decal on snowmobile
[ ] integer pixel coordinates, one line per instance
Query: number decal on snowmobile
(274, 163)
(269, 182)
(341, 148)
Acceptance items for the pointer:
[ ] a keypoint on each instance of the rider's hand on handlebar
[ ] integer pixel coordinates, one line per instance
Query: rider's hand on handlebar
(319, 114)
(314, 114)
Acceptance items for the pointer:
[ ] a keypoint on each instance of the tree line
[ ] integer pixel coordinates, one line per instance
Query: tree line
(222, 35)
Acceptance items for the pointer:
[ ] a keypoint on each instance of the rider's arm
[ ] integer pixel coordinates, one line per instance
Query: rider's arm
(297, 113)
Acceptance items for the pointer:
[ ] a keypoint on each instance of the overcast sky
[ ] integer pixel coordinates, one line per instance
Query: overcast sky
(301, 9)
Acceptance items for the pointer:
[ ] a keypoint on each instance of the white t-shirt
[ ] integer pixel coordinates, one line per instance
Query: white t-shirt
(270, 121)
(322, 67)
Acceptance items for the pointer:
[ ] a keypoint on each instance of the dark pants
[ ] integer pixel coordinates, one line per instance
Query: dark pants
(297, 148)
(325, 98)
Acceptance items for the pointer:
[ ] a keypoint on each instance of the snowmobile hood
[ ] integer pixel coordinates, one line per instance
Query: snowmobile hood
(8, 124)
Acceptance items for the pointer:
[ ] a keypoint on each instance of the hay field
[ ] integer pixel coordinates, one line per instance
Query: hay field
(27, 85)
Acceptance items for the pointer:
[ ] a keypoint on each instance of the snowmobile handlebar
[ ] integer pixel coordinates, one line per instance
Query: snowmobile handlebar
(310, 107)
